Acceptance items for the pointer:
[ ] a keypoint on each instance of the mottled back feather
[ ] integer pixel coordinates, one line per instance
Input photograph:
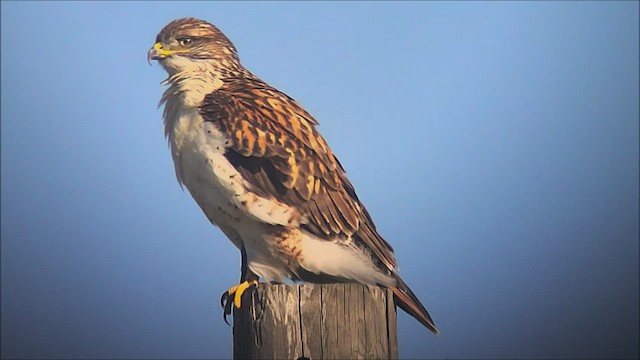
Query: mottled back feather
(277, 149)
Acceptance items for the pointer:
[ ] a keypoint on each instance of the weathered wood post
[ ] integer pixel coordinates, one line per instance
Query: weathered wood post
(316, 321)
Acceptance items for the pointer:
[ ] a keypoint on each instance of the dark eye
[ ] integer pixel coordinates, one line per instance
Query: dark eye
(185, 41)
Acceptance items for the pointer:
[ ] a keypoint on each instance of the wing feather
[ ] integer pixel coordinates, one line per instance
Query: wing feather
(318, 219)
(275, 146)
(328, 208)
(347, 212)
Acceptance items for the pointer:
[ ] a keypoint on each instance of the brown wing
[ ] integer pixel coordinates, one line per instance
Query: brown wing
(276, 147)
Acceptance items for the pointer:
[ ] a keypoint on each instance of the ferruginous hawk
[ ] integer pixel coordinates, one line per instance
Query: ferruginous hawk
(253, 160)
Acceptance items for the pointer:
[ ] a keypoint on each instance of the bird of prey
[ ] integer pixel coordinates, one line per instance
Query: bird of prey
(253, 160)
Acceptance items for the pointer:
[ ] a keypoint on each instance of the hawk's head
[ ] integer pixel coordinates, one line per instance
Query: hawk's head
(188, 43)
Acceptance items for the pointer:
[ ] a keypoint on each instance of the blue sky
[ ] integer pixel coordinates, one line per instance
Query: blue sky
(495, 145)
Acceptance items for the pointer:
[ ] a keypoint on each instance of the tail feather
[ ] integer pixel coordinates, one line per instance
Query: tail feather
(407, 301)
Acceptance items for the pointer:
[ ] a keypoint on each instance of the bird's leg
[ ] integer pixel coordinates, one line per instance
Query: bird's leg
(247, 280)
(233, 296)
(244, 267)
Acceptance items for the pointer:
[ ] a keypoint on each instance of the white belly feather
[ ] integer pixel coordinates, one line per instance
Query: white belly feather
(198, 149)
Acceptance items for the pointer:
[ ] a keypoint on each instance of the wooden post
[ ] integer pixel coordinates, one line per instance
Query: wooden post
(316, 321)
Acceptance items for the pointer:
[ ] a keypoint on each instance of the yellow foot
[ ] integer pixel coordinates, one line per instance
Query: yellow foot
(233, 296)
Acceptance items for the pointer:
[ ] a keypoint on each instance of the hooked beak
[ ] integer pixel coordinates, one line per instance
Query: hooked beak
(157, 52)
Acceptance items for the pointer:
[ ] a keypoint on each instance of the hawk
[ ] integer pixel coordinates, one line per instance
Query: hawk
(253, 160)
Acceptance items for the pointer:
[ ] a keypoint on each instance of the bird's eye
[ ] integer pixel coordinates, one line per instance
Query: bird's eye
(185, 41)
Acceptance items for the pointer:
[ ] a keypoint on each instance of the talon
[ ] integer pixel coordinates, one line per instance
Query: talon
(233, 296)
(240, 289)
(223, 299)
(227, 311)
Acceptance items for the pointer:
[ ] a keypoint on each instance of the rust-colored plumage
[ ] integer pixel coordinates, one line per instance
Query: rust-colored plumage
(279, 151)
(271, 141)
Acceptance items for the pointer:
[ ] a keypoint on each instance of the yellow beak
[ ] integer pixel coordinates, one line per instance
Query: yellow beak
(158, 52)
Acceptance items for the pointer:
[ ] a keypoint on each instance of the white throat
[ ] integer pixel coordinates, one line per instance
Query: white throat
(188, 87)
(189, 81)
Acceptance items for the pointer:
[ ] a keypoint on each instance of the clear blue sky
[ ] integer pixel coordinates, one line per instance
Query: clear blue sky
(495, 145)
